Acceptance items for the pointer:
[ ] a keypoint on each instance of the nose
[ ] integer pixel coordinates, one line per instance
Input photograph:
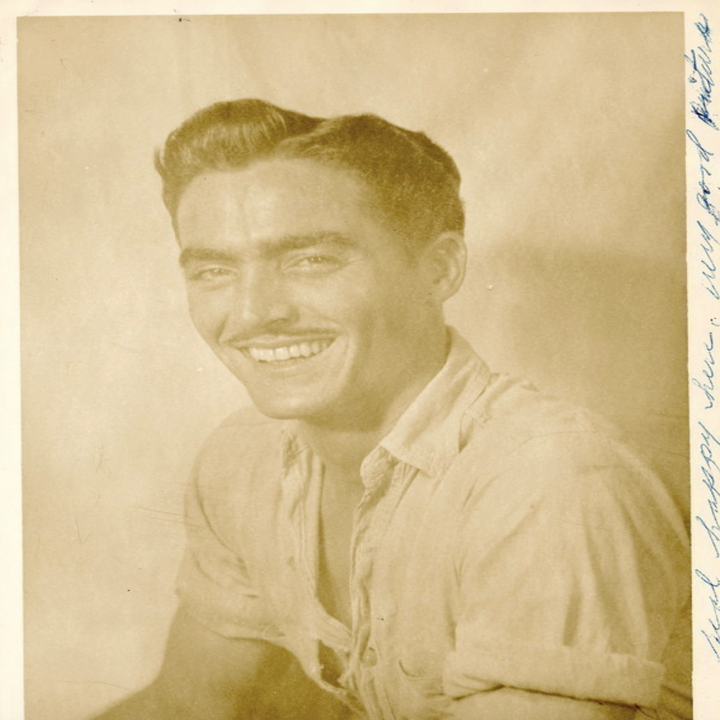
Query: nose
(260, 302)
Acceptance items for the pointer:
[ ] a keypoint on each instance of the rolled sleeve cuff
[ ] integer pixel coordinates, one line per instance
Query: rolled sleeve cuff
(571, 672)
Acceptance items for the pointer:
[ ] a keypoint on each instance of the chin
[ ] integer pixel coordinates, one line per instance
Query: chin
(287, 409)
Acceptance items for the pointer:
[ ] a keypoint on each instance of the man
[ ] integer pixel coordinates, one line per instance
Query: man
(397, 533)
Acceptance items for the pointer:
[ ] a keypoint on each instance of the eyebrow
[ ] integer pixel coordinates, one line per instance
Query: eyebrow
(269, 248)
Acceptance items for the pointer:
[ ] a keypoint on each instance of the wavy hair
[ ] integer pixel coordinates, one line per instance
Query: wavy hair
(412, 182)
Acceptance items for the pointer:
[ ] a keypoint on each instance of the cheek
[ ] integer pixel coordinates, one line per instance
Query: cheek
(343, 301)
(383, 307)
(207, 312)
(400, 302)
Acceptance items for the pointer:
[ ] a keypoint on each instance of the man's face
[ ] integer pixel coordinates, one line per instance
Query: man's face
(303, 292)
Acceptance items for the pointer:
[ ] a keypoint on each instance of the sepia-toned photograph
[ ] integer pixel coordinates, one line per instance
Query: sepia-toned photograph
(354, 367)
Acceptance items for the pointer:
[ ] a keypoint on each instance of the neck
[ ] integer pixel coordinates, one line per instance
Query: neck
(341, 449)
(344, 444)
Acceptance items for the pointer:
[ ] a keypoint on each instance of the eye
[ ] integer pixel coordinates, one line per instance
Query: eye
(316, 260)
(315, 264)
(209, 275)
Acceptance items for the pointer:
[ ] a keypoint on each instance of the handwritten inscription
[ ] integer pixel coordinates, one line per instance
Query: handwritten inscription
(699, 59)
(708, 244)
(704, 279)
(713, 635)
(706, 383)
(710, 472)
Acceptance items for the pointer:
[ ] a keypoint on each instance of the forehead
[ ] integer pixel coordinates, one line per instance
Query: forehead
(273, 198)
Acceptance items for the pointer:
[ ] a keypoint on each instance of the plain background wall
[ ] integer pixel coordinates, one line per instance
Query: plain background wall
(568, 130)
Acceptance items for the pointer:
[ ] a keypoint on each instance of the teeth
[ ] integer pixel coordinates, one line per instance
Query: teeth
(303, 349)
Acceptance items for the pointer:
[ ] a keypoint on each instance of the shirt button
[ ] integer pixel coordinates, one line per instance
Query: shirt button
(370, 657)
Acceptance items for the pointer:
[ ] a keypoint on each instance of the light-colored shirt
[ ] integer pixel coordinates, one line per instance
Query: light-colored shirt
(504, 538)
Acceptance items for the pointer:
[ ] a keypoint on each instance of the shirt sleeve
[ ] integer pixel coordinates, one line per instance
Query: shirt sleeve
(571, 587)
(214, 584)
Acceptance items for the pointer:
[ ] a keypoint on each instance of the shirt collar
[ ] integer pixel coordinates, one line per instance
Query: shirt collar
(427, 435)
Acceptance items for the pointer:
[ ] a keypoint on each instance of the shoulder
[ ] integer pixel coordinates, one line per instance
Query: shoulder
(519, 421)
(557, 454)
(552, 474)
(524, 412)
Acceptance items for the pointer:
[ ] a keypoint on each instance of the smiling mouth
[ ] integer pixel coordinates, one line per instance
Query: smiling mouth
(296, 351)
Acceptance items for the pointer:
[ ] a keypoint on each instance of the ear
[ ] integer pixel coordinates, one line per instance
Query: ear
(445, 259)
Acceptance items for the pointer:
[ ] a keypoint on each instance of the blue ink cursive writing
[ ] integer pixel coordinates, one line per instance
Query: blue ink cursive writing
(709, 469)
(700, 61)
(707, 383)
(713, 635)
(707, 245)
(700, 133)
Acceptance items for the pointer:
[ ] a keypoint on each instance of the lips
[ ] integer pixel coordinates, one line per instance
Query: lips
(283, 353)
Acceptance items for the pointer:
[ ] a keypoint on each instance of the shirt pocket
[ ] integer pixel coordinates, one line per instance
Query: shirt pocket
(419, 697)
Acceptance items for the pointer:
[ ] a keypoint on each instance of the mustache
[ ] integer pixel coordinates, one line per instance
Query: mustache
(275, 334)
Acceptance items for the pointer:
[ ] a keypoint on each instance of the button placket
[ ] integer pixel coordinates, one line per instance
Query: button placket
(302, 480)
(386, 480)
(374, 472)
